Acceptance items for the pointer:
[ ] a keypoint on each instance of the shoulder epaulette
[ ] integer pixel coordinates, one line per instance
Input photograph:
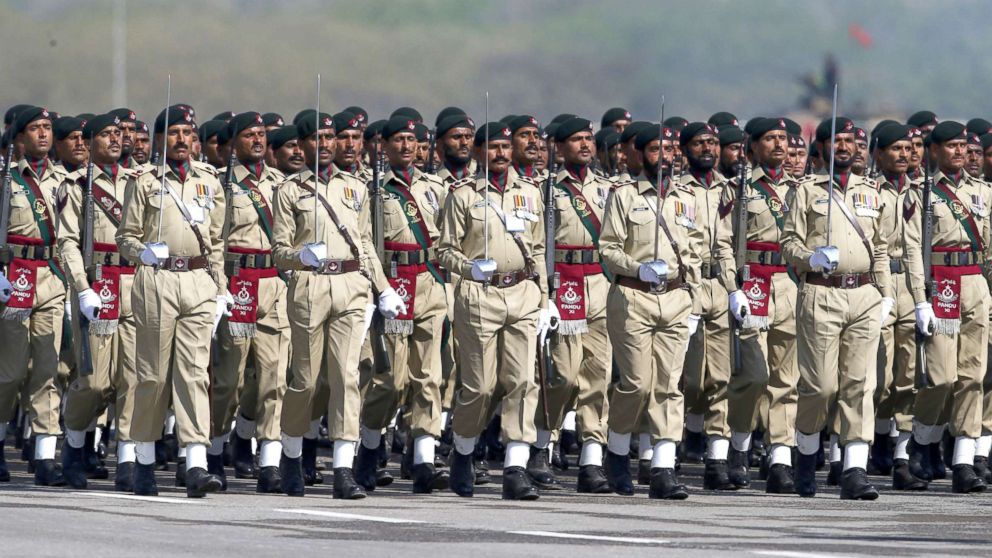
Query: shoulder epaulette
(461, 182)
(621, 183)
(205, 167)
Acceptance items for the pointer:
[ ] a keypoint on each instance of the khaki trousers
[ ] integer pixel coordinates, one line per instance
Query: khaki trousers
(707, 362)
(897, 360)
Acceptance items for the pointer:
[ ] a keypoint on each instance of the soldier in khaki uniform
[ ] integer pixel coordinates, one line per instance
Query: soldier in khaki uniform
(762, 298)
(500, 308)
(324, 236)
(526, 137)
(412, 202)
(178, 296)
(652, 309)
(103, 299)
(258, 325)
(581, 348)
(952, 306)
(845, 293)
(707, 364)
(142, 143)
(32, 294)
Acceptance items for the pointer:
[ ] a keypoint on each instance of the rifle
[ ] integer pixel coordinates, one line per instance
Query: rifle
(380, 354)
(740, 250)
(830, 180)
(545, 360)
(93, 270)
(5, 200)
(922, 378)
(228, 186)
(431, 148)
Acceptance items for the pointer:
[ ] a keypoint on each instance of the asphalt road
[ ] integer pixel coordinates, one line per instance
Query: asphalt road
(392, 522)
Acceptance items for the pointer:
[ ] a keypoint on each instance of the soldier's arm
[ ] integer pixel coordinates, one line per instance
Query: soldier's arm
(370, 262)
(912, 235)
(880, 247)
(692, 259)
(131, 230)
(540, 246)
(216, 239)
(452, 231)
(614, 235)
(724, 235)
(69, 235)
(987, 236)
(285, 253)
(794, 233)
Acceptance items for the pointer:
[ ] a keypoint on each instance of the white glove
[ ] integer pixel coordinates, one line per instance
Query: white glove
(824, 258)
(653, 272)
(89, 304)
(924, 318)
(887, 304)
(547, 320)
(224, 304)
(482, 270)
(693, 324)
(6, 289)
(154, 253)
(390, 304)
(313, 254)
(67, 308)
(740, 306)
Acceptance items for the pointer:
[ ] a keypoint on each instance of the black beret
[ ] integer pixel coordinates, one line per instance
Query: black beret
(446, 112)
(140, 126)
(844, 126)
(454, 121)
(373, 128)
(676, 123)
(186, 107)
(226, 116)
(211, 128)
(177, 115)
(346, 120)
(27, 116)
(721, 119)
(694, 129)
(947, 131)
(84, 116)
(273, 119)
(814, 151)
(242, 122)
(507, 119)
(97, 124)
(887, 135)
(66, 125)
(496, 131)
(860, 134)
(973, 139)
(398, 124)
(281, 136)
(612, 115)
(561, 118)
(308, 126)
(749, 126)
(651, 133)
(522, 121)
(125, 114)
(600, 136)
(883, 124)
(409, 112)
(632, 129)
(359, 112)
(606, 138)
(550, 130)
(730, 135)
(797, 141)
(8, 117)
(979, 126)
(792, 126)
(571, 126)
(986, 141)
(422, 132)
(764, 125)
(922, 118)
(305, 113)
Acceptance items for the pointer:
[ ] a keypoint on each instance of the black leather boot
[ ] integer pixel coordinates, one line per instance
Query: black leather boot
(180, 472)
(199, 482)
(517, 485)
(144, 480)
(919, 460)
(881, 454)
(592, 480)
(269, 481)
(366, 463)
(618, 473)
(310, 473)
(806, 475)
(835, 472)
(964, 480)
(644, 472)
(539, 470)
(215, 466)
(665, 485)
(48, 473)
(124, 477)
(345, 487)
(903, 479)
(426, 478)
(243, 458)
(716, 476)
(693, 447)
(73, 467)
(93, 465)
(738, 468)
(462, 474)
(291, 472)
(854, 485)
(982, 468)
(780, 480)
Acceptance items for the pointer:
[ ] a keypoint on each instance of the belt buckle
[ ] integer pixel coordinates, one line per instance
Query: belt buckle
(587, 257)
(660, 288)
(507, 279)
(331, 266)
(180, 263)
(849, 280)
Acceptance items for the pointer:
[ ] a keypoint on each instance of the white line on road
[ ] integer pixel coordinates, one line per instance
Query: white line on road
(554, 535)
(341, 515)
(792, 554)
(157, 499)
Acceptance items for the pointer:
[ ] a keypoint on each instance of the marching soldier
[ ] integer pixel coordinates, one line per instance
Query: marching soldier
(324, 236)
(172, 222)
(581, 348)
(258, 325)
(952, 305)
(70, 148)
(798, 152)
(526, 135)
(284, 143)
(32, 293)
(129, 133)
(834, 240)
(412, 202)
(616, 118)
(762, 299)
(142, 144)
(500, 308)
(348, 150)
(707, 365)
(653, 308)
(103, 295)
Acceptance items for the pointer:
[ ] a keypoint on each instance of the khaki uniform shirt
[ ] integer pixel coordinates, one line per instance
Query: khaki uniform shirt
(22, 213)
(246, 229)
(429, 193)
(568, 225)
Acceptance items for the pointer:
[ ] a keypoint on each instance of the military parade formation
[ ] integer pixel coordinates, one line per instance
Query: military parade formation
(227, 296)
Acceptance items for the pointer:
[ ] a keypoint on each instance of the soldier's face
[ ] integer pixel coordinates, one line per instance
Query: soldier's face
(401, 149)
(702, 152)
(973, 160)
(211, 151)
(499, 155)
(73, 149)
(349, 148)
(525, 145)
(950, 155)
(655, 152)
(423, 153)
(730, 154)
(457, 145)
(107, 145)
(578, 148)
(542, 155)
(987, 160)
(772, 148)
(179, 142)
(127, 137)
(632, 156)
(319, 146)
(289, 157)
(142, 147)
(796, 161)
(844, 148)
(860, 155)
(620, 125)
(36, 139)
(250, 144)
(916, 157)
(618, 159)
(894, 159)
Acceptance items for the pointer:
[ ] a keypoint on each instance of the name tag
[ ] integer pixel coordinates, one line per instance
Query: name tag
(822, 201)
(514, 224)
(304, 197)
(641, 208)
(865, 212)
(196, 213)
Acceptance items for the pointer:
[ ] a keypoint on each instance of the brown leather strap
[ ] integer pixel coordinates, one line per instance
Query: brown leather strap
(840, 281)
(854, 222)
(670, 285)
(185, 263)
(342, 230)
(510, 278)
(335, 267)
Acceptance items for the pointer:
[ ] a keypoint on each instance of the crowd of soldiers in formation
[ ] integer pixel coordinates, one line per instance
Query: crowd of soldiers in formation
(240, 291)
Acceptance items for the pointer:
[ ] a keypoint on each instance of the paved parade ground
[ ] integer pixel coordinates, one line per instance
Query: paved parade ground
(392, 522)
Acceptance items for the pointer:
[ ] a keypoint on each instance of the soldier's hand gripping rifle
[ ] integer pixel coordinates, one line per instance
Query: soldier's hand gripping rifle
(380, 354)
(740, 252)
(922, 377)
(546, 364)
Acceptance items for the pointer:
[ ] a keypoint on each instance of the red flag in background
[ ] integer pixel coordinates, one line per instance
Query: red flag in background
(859, 34)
